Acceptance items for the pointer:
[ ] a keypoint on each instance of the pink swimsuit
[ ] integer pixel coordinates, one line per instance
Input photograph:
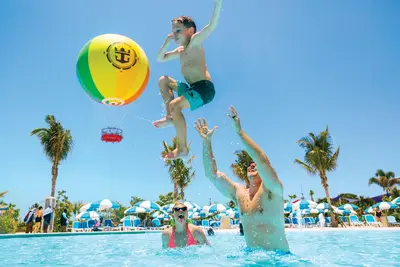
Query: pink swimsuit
(190, 239)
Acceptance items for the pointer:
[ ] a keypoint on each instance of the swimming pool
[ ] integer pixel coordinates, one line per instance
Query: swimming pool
(309, 248)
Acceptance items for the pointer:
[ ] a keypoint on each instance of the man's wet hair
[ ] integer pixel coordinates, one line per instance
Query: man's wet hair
(188, 22)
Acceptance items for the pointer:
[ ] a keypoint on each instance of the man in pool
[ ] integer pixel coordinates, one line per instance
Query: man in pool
(200, 89)
(182, 234)
(260, 205)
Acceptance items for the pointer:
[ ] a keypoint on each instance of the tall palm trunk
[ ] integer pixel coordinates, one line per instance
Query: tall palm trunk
(175, 192)
(54, 173)
(324, 180)
(182, 194)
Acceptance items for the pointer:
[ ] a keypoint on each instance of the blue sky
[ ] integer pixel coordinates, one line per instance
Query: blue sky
(289, 67)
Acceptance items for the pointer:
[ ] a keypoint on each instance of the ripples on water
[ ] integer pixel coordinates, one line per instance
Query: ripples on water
(329, 248)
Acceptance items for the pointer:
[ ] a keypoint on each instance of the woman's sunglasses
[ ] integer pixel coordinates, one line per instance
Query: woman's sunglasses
(181, 208)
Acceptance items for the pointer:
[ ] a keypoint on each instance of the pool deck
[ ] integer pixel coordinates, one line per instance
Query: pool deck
(23, 235)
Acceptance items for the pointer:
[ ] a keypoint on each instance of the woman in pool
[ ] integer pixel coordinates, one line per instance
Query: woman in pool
(182, 234)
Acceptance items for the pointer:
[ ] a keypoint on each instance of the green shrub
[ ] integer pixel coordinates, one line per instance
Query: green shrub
(8, 225)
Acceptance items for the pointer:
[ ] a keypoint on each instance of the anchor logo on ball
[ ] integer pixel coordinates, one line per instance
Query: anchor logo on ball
(121, 55)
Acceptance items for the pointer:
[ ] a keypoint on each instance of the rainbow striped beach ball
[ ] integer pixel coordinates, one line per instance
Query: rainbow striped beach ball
(113, 69)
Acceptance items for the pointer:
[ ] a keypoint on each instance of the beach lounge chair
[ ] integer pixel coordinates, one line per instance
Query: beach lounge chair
(309, 221)
(85, 226)
(76, 227)
(295, 221)
(91, 223)
(370, 220)
(328, 221)
(136, 222)
(392, 221)
(127, 225)
(108, 226)
(343, 219)
(205, 223)
(288, 222)
(353, 220)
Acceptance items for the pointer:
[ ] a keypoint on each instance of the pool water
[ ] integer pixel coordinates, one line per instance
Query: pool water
(309, 248)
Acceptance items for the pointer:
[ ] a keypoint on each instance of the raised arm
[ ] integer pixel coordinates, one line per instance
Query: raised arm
(200, 36)
(163, 55)
(219, 179)
(267, 173)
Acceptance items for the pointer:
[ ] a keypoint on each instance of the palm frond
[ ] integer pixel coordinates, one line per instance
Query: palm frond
(305, 166)
(373, 180)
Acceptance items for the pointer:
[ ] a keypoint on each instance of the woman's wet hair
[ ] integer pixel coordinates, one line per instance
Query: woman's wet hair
(178, 204)
(186, 21)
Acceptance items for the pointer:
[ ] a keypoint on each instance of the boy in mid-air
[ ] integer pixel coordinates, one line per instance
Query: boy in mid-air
(200, 89)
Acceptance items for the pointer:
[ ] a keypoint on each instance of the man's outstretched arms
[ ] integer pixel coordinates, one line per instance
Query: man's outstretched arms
(219, 179)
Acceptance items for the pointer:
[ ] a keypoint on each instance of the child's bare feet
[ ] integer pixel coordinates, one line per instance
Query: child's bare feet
(164, 122)
(177, 154)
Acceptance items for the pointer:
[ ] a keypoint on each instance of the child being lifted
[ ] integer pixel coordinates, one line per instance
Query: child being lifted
(199, 89)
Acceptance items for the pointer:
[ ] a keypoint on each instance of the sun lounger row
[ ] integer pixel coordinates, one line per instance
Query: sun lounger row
(352, 220)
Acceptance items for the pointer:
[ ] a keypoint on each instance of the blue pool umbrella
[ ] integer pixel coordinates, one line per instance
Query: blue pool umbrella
(104, 204)
(147, 204)
(218, 208)
(304, 204)
(135, 210)
(167, 208)
(382, 205)
(3, 208)
(301, 212)
(234, 214)
(324, 206)
(160, 214)
(288, 207)
(396, 201)
(87, 207)
(129, 218)
(192, 206)
(348, 207)
(197, 215)
(88, 215)
(345, 212)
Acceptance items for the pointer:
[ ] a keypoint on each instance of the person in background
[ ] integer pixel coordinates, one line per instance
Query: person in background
(38, 220)
(321, 218)
(29, 219)
(64, 221)
(378, 214)
(47, 217)
(241, 229)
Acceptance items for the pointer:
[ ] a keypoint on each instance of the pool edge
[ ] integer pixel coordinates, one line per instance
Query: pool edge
(23, 235)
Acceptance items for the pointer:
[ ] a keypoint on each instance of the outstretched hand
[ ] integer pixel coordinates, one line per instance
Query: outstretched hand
(235, 119)
(202, 129)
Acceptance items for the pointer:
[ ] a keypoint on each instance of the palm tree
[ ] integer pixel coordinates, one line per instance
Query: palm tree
(311, 195)
(2, 194)
(239, 168)
(294, 196)
(134, 200)
(76, 206)
(184, 175)
(319, 159)
(386, 180)
(57, 144)
(181, 175)
(395, 192)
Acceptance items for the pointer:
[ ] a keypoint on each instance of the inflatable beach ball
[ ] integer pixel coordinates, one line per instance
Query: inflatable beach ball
(113, 69)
